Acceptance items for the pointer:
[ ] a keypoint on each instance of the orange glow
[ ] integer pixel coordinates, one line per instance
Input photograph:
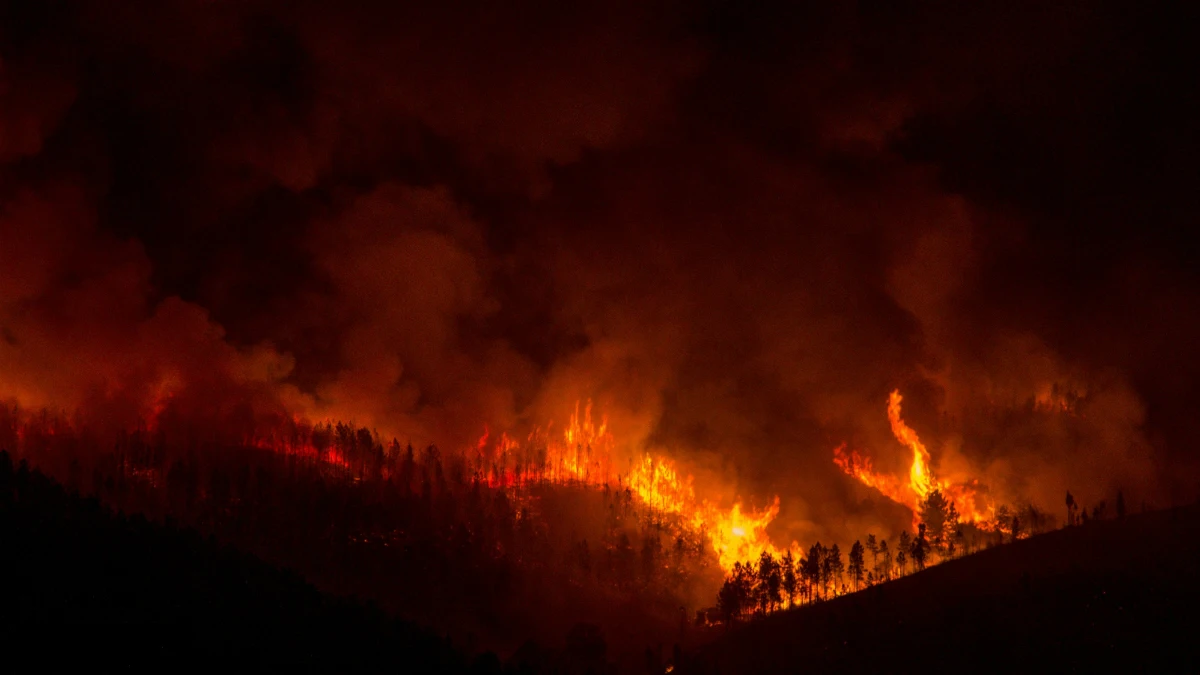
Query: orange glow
(738, 536)
(584, 455)
(921, 480)
(919, 477)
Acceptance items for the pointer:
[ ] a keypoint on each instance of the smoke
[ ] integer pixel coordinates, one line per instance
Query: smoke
(735, 229)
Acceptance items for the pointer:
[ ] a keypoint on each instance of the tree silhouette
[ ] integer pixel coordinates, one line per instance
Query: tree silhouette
(885, 562)
(834, 567)
(1120, 504)
(952, 530)
(920, 548)
(728, 603)
(769, 582)
(1070, 509)
(788, 566)
(813, 568)
(873, 547)
(933, 512)
(902, 550)
(857, 566)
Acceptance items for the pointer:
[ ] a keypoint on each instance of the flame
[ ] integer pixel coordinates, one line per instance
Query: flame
(583, 455)
(860, 467)
(966, 497)
(920, 479)
(738, 536)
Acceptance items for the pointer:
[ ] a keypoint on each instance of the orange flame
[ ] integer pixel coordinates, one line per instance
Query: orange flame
(921, 480)
(584, 456)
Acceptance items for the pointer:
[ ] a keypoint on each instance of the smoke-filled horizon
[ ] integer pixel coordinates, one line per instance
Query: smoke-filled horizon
(735, 228)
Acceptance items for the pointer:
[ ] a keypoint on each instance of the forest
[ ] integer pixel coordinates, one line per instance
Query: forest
(758, 587)
(421, 533)
(491, 556)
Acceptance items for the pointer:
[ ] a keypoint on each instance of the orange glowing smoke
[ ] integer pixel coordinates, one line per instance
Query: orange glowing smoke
(920, 481)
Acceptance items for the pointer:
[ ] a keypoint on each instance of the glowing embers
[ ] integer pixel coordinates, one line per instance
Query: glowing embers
(920, 482)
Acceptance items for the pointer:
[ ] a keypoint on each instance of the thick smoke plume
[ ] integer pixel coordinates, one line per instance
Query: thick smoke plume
(735, 228)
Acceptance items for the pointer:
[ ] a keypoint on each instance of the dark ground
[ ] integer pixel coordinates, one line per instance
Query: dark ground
(80, 585)
(1109, 596)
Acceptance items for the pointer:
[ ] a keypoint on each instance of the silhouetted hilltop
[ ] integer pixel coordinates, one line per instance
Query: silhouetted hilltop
(1108, 595)
(76, 571)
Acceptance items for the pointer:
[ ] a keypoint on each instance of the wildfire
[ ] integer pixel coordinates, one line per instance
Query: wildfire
(584, 455)
(921, 480)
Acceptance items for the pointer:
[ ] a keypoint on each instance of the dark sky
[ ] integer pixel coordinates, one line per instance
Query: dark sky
(735, 225)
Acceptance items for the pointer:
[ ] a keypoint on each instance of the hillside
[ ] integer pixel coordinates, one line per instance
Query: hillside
(133, 591)
(1105, 596)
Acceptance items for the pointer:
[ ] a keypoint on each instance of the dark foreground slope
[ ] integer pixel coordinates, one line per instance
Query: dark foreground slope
(1105, 597)
(107, 590)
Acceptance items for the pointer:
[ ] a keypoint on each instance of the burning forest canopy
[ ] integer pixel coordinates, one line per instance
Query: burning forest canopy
(779, 273)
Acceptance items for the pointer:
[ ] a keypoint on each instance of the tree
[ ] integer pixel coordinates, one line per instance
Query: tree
(1016, 528)
(1070, 509)
(408, 469)
(769, 582)
(1002, 521)
(813, 567)
(834, 566)
(885, 562)
(744, 577)
(902, 549)
(952, 532)
(736, 593)
(857, 566)
(729, 601)
(873, 547)
(920, 548)
(788, 566)
(1120, 504)
(933, 512)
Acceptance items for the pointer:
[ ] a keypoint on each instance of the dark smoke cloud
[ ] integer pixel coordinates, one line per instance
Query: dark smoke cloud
(736, 226)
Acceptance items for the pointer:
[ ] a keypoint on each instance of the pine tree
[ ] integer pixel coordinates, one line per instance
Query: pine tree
(920, 548)
(902, 552)
(857, 565)
(952, 533)
(873, 547)
(788, 567)
(933, 513)
(769, 583)
(729, 601)
(813, 568)
(834, 567)
(885, 562)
